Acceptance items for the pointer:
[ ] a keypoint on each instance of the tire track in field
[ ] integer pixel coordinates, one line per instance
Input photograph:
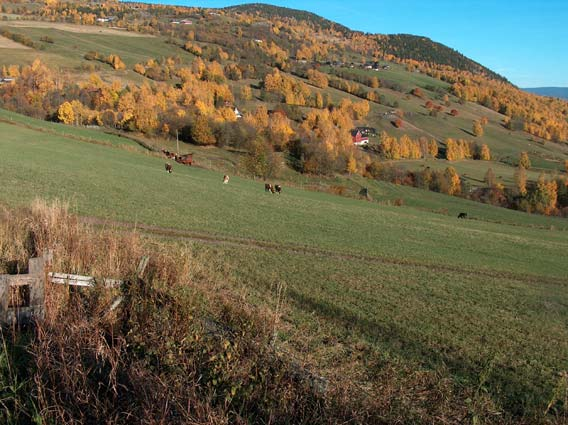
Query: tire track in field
(213, 239)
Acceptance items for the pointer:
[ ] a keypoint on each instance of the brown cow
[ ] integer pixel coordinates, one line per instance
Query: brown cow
(168, 154)
(268, 187)
(168, 168)
(185, 159)
(225, 179)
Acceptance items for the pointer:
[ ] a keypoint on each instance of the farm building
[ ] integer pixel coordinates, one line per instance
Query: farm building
(358, 138)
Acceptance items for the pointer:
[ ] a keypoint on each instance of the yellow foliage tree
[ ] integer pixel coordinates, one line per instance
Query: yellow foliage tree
(521, 181)
(433, 148)
(453, 181)
(201, 132)
(318, 79)
(115, 62)
(524, 161)
(360, 109)
(246, 93)
(452, 150)
(477, 129)
(65, 113)
(279, 130)
(351, 167)
(485, 154)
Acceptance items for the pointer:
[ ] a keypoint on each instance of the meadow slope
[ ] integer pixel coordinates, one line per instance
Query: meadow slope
(466, 299)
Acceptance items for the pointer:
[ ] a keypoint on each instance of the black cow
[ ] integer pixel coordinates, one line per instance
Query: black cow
(168, 168)
(462, 215)
(278, 188)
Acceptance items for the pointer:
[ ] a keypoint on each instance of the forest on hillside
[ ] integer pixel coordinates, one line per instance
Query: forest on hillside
(273, 58)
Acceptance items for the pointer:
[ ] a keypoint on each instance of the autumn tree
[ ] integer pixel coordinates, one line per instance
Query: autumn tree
(485, 153)
(201, 132)
(452, 150)
(139, 68)
(433, 148)
(374, 83)
(477, 129)
(351, 166)
(260, 160)
(360, 109)
(246, 93)
(319, 101)
(545, 196)
(193, 48)
(452, 183)
(524, 160)
(318, 79)
(65, 113)
(521, 181)
(116, 62)
(279, 130)
(233, 72)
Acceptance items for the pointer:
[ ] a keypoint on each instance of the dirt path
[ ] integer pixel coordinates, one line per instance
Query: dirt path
(187, 235)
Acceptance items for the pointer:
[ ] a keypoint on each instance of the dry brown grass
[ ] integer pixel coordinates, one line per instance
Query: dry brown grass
(187, 347)
(183, 348)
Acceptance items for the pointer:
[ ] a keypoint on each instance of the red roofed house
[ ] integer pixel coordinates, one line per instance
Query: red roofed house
(358, 138)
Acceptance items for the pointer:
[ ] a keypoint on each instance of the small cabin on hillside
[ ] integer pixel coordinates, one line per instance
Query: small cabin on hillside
(358, 138)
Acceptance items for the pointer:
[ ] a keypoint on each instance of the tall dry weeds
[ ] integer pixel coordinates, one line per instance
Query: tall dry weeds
(181, 348)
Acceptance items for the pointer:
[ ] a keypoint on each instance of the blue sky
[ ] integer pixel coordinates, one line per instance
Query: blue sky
(526, 41)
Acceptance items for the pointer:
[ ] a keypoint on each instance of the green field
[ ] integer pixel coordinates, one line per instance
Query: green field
(464, 298)
(118, 184)
(373, 292)
(68, 49)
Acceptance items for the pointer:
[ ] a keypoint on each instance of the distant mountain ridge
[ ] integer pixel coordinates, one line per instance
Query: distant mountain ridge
(404, 46)
(560, 92)
(270, 11)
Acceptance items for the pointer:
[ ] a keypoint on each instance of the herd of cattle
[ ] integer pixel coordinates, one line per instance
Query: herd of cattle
(186, 159)
(268, 187)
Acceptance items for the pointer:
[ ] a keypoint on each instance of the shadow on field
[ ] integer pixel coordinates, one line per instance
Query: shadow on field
(520, 391)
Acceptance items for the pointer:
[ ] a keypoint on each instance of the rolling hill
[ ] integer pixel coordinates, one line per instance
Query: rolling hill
(391, 278)
(320, 304)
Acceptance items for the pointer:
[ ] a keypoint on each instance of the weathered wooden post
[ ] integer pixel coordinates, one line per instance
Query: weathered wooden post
(22, 295)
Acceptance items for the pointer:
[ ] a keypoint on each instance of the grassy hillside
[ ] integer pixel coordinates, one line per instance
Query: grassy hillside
(411, 288)
(393, 300)
(110, 184)
(71, 43)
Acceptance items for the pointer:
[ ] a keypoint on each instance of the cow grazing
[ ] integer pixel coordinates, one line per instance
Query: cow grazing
(185, 159)
(462, 215)
(278, 188)
(225, 179)
(168, 154)
(168, 168)
(268, 187)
